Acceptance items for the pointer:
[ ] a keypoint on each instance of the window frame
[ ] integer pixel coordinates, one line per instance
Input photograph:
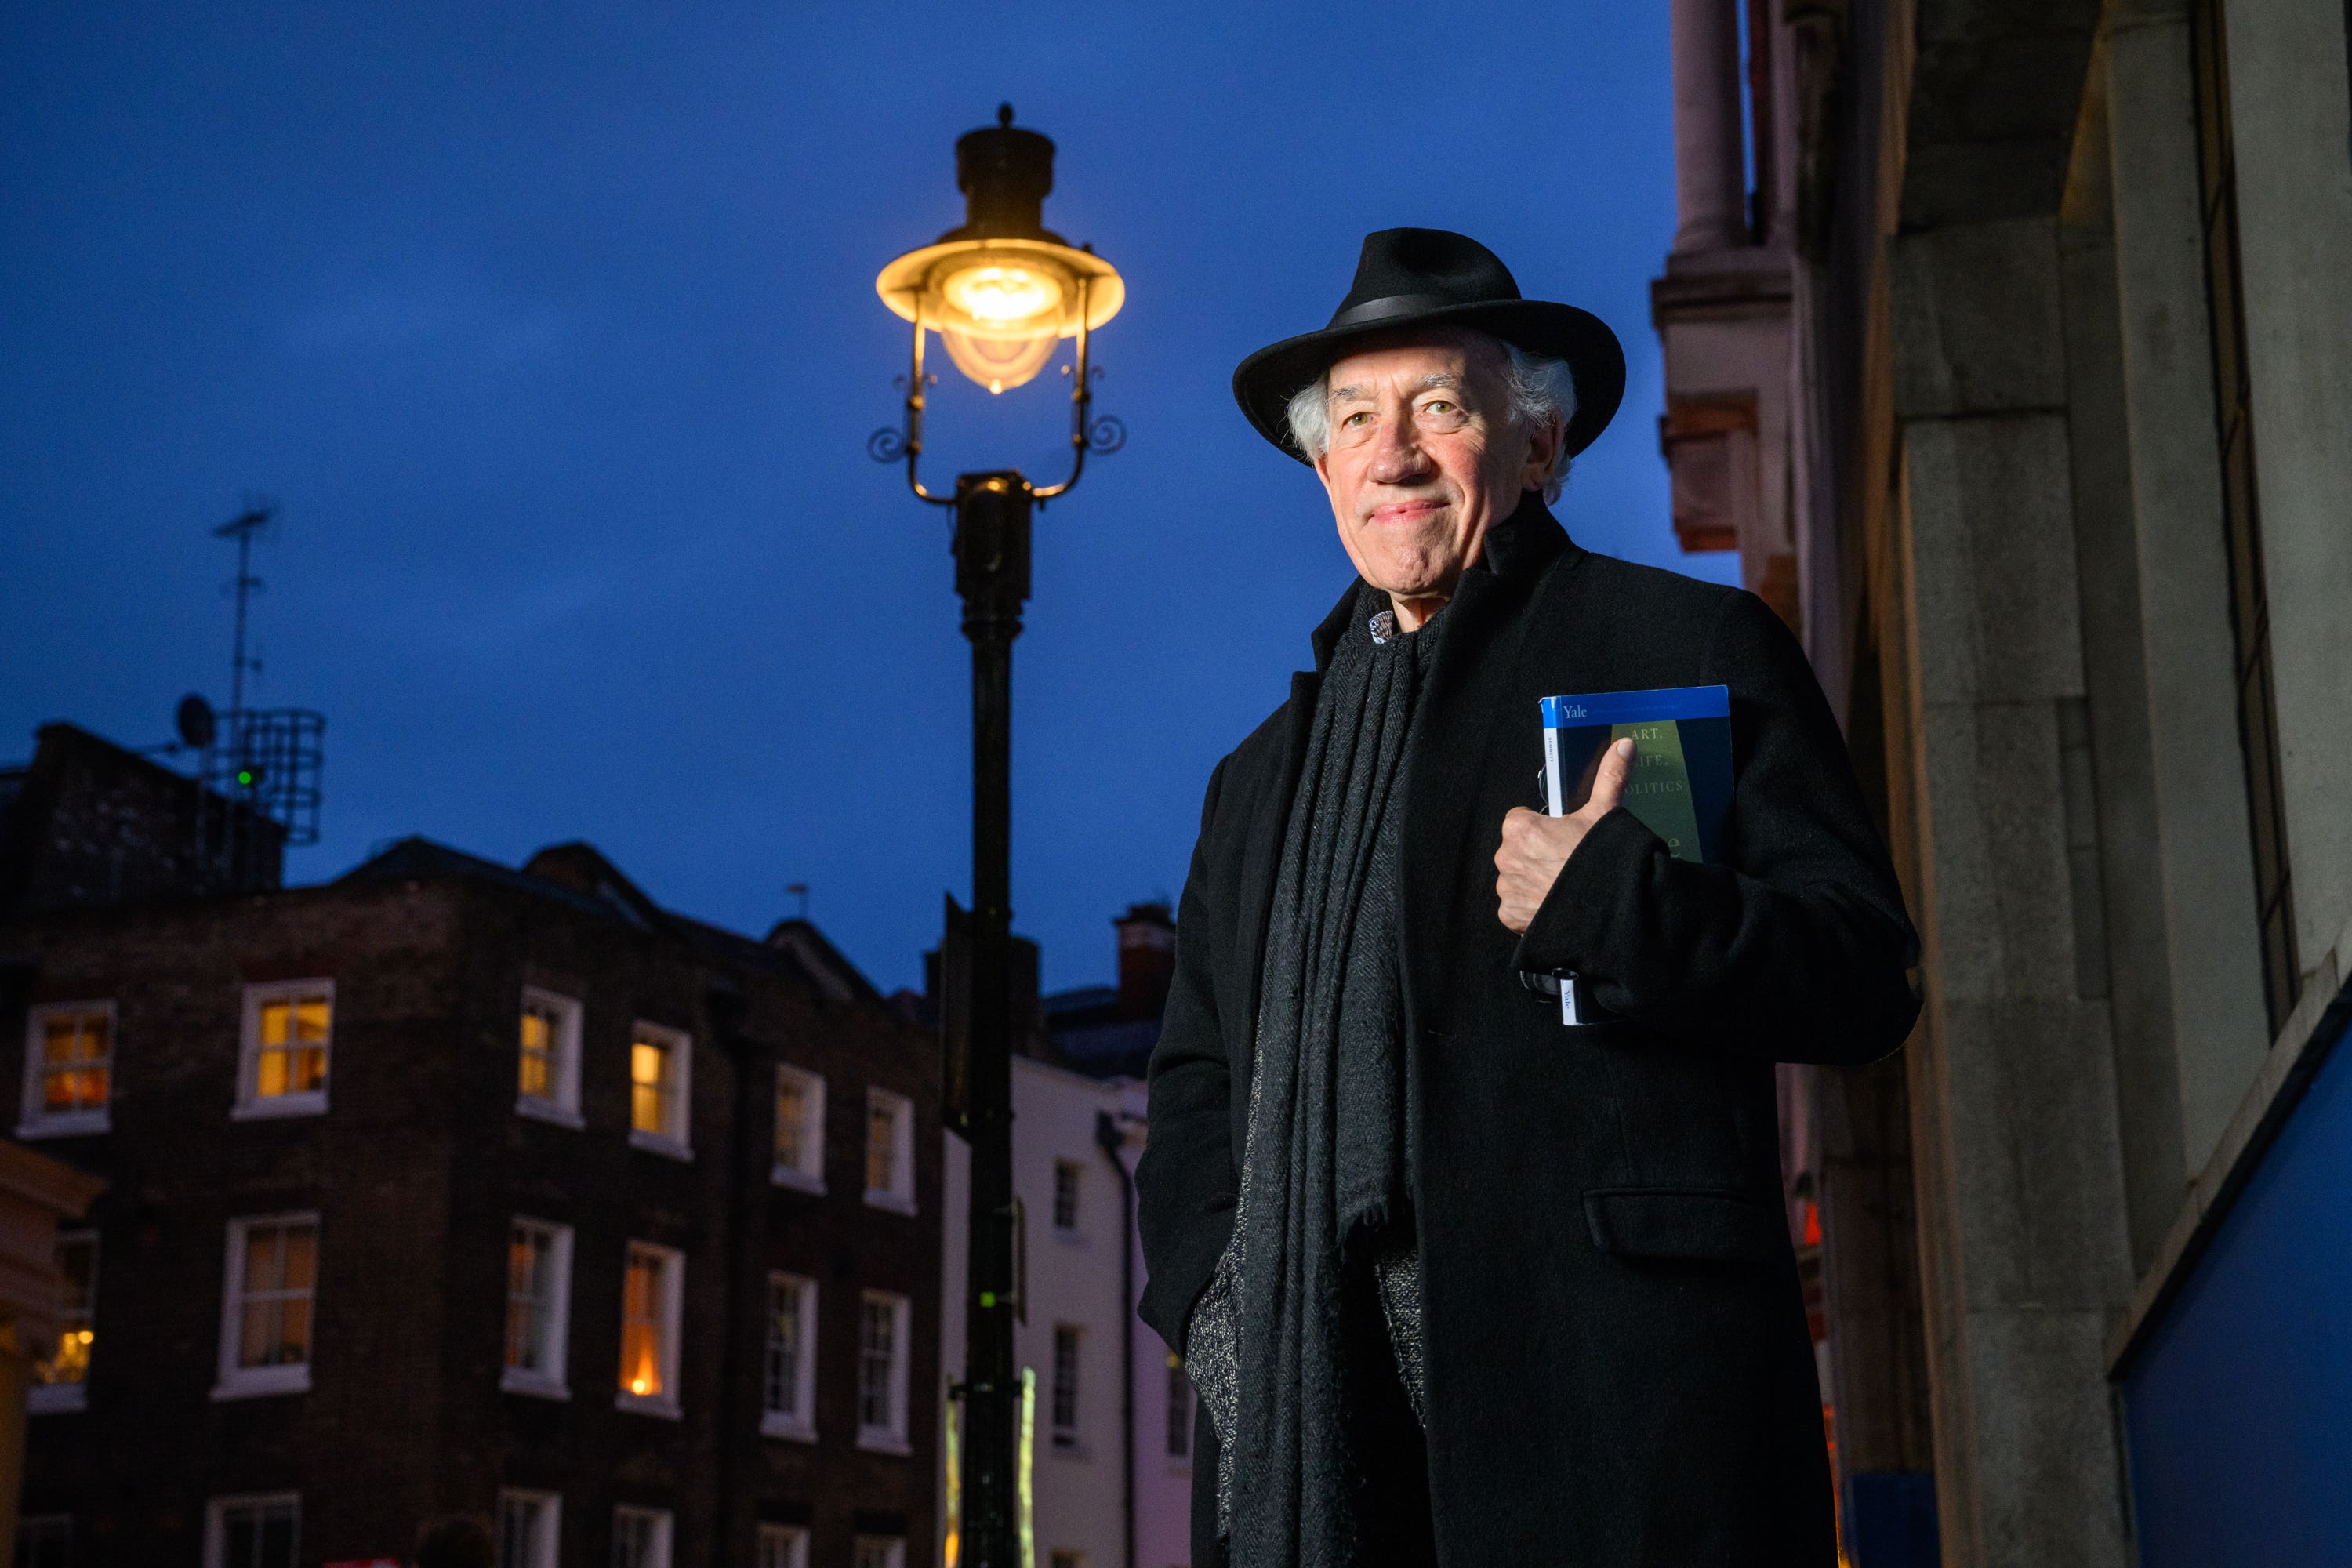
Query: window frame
(892, 1437)
(33, 1121)
(799, 1424)
(665, 1523)
(675, 1141)
(216, 1511)
(44, 1398)
(548, 1551)
(898, 1197)
(807, 1175)
(1069, 1190)
(664, 1402)
(1067, 1385)
(893, 1549)
(542, 1382)
(251, 1104)
(793, 1538)
(561, 1108)
(236, 1381)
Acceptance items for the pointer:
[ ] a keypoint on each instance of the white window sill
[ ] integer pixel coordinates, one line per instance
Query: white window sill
(538, 1384)
(259, 1381)
(67, 1124)
(660, 1143)
(55, 1398)
(549, 1111)
(896, 1203)
(800, 1181)
(660, 1406)
(791, 1428)
(876, 1442)
(276, 1105)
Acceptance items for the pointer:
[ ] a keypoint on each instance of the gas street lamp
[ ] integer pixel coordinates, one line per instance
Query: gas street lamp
(1002, 291)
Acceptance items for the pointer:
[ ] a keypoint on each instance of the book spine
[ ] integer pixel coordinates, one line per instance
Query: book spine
(1554, 805)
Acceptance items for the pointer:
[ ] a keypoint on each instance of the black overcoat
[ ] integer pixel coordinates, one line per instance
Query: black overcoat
(1617, 1361)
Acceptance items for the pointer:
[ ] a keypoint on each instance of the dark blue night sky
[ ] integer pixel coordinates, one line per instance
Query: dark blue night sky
(552, 331)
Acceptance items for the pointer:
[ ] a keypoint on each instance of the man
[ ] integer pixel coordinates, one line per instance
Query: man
(1459, 1283)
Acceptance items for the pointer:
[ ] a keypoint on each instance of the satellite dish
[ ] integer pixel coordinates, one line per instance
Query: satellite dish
(198, 726)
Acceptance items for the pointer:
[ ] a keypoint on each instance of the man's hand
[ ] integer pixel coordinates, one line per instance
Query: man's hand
(1535, 846)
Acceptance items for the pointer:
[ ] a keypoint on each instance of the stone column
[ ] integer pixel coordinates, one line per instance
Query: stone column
(1710, 177)
(2019, 1171)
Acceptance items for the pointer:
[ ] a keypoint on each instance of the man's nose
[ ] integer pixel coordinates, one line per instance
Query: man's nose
(1397, 455)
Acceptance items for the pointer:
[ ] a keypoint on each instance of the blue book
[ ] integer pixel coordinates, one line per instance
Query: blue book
(1680, 788)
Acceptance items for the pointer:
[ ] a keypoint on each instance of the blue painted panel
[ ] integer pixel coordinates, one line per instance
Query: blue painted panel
(1890, 1520)
(2239, 1410)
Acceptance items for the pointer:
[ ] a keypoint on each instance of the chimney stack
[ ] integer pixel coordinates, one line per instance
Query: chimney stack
(1147, 959)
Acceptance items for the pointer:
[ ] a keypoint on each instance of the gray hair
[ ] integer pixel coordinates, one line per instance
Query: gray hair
(1541, 390)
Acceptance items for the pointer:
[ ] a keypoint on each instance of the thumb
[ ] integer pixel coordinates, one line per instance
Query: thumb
(1608, 784)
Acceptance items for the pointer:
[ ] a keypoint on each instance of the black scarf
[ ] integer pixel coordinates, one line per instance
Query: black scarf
(1327, 1176)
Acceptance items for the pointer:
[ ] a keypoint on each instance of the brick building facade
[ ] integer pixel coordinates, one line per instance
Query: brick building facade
(447, 1188)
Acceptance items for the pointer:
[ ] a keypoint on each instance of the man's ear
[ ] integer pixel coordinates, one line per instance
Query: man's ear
(1543, 447)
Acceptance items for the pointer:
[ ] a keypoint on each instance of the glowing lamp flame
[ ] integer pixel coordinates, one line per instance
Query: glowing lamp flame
(639, 1386)
(1004, 296)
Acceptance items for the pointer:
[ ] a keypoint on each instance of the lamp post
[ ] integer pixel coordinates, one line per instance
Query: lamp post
(1002, 291)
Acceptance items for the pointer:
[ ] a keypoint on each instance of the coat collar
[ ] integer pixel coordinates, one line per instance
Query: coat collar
(1520, 545)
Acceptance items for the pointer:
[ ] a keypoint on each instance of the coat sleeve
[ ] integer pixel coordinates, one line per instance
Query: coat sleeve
(1188, 1179)
(1796, 948)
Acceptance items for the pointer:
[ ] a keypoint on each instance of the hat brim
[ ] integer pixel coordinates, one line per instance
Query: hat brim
(1264, 383)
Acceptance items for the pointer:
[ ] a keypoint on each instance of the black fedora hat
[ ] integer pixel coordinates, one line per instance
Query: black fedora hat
(1430, 277)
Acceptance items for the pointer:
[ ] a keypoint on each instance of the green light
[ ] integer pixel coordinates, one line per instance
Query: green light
(987, 1297)
(245, 775)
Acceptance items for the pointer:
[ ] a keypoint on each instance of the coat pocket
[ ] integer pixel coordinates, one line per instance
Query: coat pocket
(1720, 1225)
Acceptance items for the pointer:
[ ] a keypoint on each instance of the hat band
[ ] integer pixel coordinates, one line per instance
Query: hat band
(1395, 305)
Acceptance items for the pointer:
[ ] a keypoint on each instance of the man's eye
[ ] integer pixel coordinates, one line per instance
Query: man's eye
(1354, 419)
(1438, 405)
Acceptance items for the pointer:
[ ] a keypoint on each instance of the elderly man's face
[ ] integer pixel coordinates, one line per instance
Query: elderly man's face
(1423, 460)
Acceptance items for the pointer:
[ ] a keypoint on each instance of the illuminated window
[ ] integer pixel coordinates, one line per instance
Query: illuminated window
(889, 1151)
(1065, 1196)
(788, 1381)
(539, 1288)
(59, 1377)
(547, 1060)
(800, 1130)
(529, 1527)
(659, 1064)
(1066, 1385)
(253, 1531)
(882, 1345)
(652, 1295)
(68, 1068)
(641, 1537)
(783, 1546)
(273, 1272)
(1179, 1410)
(288, 1035)
(880, 1551)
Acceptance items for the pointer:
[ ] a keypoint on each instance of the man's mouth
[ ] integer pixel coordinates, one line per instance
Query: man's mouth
(1404, 510)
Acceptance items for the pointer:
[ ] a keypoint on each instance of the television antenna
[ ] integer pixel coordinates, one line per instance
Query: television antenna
(257, 515)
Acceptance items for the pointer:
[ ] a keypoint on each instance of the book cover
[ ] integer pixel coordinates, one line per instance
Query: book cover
(1680, 787)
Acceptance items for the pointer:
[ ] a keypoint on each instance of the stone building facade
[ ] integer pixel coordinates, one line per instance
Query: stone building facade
(449, 1188)
(2042, 314)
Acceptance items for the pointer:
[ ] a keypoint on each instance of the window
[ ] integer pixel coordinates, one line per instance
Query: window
(539, 1292)
(788, 1373)
(1065, 1196)
(882, 1344)
(641, 1537)
(659, 1064)
(527, 1527)
(783, 1546)
(1067, 1559)
(889, 1151)
(273, 1271)
(547, 1065)
(881, 1552)
(288, 1035)
(68, 1068)
(1066, 1385)
(253, 1531)
(652, 1294)
(59, 1377)
(800, 1130)
(44, 1540)
(1179, 1410)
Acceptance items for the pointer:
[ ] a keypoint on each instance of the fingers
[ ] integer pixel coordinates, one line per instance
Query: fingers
(1608, 784)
